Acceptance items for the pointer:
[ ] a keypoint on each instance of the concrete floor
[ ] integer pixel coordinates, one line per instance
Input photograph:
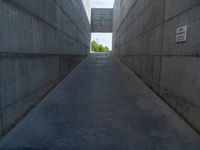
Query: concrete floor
(102, 105)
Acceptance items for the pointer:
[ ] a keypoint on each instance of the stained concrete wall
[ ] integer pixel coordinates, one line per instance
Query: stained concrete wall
(40, 42)
(101, 20)
(144, 38)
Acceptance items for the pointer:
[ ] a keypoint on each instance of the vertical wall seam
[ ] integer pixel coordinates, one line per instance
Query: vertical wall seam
(162, 45)
(1, 118)
(1, 115)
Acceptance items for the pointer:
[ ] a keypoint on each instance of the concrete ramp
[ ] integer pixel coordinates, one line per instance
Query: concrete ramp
(102, 105)
(101, 20)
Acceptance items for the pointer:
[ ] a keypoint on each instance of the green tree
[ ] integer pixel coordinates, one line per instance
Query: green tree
(96, 47)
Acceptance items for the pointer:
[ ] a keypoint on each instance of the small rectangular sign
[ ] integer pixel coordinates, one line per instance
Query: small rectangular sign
(181, 34)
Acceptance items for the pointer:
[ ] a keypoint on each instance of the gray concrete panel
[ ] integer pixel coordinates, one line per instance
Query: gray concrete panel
(49, 27)
(192, 46)
(40, 42)
(176, 7)
(101, 20)
(144, 38)
(180, 86)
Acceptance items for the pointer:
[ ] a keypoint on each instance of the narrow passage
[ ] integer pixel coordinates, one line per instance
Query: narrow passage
(102, 105)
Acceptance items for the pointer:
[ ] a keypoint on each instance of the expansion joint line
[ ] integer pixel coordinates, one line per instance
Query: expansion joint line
(162, 44)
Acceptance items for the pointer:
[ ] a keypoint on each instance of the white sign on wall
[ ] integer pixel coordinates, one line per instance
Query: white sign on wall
(181, 34)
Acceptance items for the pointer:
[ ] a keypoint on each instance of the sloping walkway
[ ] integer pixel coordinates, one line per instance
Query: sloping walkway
(102, 105)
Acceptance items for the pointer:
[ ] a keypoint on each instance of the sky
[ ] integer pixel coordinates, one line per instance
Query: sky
(102, 3)
(103, 38)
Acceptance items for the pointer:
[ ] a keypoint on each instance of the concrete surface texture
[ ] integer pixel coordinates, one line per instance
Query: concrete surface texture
(144, 38)
(87, 5)
(102, 105)
(101, 20)
(40, 42)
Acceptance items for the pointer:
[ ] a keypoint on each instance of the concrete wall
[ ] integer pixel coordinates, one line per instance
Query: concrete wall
(40, 42)
(144, 38)
(101, 20)
(87, 5)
